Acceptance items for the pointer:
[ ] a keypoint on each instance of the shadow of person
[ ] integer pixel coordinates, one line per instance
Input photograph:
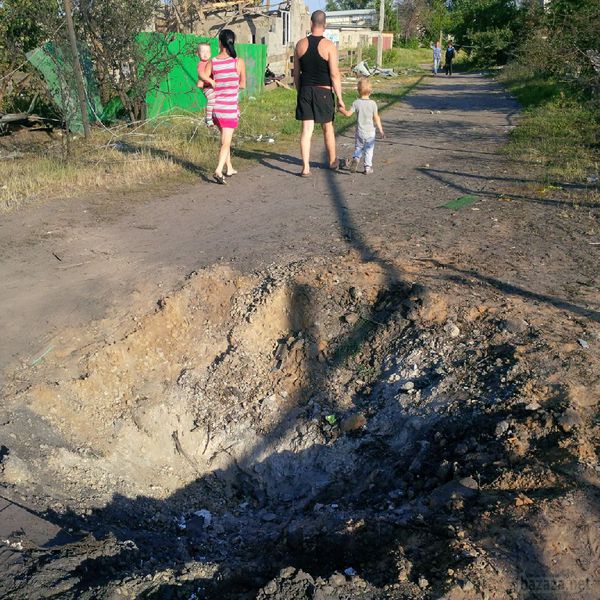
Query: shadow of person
(462, 277)
(275, 161)
(129, 148)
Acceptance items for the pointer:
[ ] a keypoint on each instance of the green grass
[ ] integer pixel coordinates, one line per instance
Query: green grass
(399, 58)
(272, 114)
(176, 147)
(558, 130)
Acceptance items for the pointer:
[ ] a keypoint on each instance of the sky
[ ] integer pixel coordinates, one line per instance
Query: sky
(315, 4)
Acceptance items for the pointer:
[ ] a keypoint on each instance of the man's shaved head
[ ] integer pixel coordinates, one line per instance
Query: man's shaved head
(318, 18)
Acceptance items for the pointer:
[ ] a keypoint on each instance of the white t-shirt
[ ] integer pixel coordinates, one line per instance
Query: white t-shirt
(365, 110)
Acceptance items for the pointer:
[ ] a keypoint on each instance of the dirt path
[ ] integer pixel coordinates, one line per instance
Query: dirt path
(399, 404)
(66, 263)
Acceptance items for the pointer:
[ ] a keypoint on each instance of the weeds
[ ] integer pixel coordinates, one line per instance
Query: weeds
(367, 373)
(558, 129)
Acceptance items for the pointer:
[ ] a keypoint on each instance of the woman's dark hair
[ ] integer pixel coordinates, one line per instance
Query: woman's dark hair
(227, 39)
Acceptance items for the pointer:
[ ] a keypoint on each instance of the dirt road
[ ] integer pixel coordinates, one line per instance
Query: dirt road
(65, 263)
(375, 397)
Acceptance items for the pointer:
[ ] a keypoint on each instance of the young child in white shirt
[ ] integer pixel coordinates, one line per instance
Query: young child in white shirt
(367, 120)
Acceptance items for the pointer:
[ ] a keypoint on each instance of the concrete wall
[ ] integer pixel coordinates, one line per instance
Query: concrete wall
(349, 38)
(267, 29)
(388, 40)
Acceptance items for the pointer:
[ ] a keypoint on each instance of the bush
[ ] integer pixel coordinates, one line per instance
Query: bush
(572, 42)
(491, 47)
(488, 30)
(389, 56)
(557, 130)
(411, 43)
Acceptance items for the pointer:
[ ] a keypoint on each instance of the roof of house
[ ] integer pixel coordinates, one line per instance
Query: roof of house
(362, 12)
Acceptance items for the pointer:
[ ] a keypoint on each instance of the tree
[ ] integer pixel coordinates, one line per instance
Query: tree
(390, 23)
(348, 4)
(122, 63)
(437, 19)
(24, 25)
(487, 29)
(573, 31)
(411, 17)
(77, 72)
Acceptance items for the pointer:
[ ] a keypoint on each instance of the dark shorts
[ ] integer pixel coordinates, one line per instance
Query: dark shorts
(315, 104)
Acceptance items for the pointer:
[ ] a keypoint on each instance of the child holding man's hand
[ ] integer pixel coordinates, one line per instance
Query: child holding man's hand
(367, 119)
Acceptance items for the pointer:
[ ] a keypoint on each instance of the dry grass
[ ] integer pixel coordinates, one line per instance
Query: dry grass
(176, 147)
(47, 178)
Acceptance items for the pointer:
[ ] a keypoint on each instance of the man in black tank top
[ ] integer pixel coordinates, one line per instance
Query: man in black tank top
(317, 77)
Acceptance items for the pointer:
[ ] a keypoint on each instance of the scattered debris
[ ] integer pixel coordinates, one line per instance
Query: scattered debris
(205, 515)
(363, 69)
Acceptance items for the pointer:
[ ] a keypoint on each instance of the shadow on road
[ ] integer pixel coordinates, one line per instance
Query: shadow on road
(462, 277)
(449, 178)
(129, 148)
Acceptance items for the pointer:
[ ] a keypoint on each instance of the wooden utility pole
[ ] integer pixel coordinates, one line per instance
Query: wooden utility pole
(380, 38)
(68, 4)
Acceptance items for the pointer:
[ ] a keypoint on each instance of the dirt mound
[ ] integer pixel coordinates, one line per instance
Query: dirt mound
(327, 429)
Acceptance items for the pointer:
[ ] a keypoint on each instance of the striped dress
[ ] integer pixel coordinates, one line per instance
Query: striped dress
(227, 80)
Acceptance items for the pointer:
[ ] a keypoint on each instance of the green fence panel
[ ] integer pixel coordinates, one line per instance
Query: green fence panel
(178, 88)
(56, 67)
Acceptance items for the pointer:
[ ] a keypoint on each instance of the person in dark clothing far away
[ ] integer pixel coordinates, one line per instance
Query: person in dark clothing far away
(450, 54)
(317, 77)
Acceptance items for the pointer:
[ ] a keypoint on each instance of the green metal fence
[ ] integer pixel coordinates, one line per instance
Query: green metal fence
(178, 88)
(56, 66)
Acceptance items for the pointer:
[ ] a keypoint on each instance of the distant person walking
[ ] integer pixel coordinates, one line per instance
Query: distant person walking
(317, 77)
(228, 77)
(437, 57)
(450, 54)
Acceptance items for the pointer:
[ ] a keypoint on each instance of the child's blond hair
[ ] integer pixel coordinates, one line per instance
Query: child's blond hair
(364, 86)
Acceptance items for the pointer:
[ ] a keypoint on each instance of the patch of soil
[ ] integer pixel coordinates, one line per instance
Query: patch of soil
(33, 142)
(330, 428)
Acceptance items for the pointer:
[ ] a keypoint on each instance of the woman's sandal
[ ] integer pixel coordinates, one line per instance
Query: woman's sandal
(219, 179)
(234, 172)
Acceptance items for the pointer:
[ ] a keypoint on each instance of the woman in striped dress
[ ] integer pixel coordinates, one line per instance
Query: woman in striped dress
(228, 77)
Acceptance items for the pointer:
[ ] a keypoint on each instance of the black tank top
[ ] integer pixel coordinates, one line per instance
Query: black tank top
(314, 69)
